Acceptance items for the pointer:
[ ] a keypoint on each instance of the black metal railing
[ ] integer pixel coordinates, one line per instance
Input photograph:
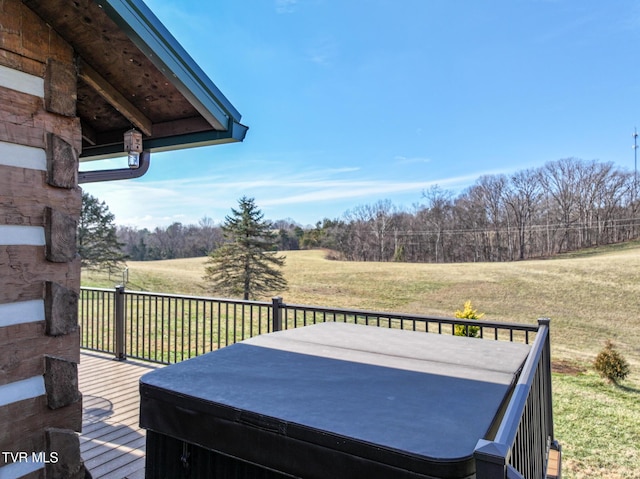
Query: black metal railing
(297, 315)
(521, 446)
(96, 316)
(168, 328)
(165, 328)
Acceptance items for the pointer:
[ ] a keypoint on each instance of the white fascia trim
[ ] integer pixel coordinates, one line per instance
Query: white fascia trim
(21, 312)
(22, 156)
(22, 82)
(17, 470)
(21, 390)
(22, 235)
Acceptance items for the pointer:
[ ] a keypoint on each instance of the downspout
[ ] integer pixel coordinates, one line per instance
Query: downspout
(117, 174)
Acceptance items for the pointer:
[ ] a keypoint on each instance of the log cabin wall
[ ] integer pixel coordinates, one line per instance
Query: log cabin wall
(40, 202)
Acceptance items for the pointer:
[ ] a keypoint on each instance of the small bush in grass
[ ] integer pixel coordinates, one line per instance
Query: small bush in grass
(467, 313)
(610, 364)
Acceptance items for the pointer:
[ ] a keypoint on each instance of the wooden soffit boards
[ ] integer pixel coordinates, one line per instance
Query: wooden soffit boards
(132, 72)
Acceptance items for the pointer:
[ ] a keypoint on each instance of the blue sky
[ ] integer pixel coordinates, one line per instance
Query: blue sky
(353, 101)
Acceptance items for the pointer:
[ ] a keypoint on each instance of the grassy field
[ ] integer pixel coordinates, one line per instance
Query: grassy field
(590, 297)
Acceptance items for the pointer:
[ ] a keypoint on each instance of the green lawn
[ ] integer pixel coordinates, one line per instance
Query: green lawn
(598, 425)
(590, 297)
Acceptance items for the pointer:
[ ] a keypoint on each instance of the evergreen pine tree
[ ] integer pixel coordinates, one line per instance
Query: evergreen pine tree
(247, 265)
(97, 243)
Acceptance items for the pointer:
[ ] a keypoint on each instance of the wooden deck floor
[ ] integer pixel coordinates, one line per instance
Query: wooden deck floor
(112, 444)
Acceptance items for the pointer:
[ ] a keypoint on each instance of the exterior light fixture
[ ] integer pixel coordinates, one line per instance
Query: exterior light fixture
(133, 147)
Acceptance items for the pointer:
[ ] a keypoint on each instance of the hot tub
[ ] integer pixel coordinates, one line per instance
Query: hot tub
(331, 400)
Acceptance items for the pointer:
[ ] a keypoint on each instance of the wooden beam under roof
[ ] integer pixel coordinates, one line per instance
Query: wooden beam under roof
(115, 98)
(88, 133)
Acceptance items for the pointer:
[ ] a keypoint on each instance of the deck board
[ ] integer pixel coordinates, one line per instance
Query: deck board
(112, 444)
(553, 466)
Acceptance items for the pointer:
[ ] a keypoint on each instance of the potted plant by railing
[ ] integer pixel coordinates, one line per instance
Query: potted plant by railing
(467, 313)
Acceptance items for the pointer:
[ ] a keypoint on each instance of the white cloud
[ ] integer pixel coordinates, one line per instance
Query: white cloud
(403, 160)
(286, 6)
(323, 51)
(147, 204)
(320, 191)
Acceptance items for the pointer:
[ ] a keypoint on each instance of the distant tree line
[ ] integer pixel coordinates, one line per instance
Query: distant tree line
(188, 241)
(562, 206)
(171, 242)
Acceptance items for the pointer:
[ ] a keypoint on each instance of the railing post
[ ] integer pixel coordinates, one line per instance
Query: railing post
(491, 460)
(546, 355)
(119, 329)
(276, 316)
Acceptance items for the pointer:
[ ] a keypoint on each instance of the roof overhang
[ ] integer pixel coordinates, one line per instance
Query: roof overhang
(133, 72)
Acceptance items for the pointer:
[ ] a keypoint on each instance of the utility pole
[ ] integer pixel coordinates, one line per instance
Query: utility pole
(635, 178)
(635, 162)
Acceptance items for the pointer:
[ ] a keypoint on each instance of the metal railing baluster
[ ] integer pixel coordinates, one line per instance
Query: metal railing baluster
(524, 436)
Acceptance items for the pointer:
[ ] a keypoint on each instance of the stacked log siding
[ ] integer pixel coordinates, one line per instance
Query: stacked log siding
(40, 406)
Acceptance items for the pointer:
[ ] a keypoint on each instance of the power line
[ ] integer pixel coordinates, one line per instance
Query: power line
(635, 161)
(534, 227)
